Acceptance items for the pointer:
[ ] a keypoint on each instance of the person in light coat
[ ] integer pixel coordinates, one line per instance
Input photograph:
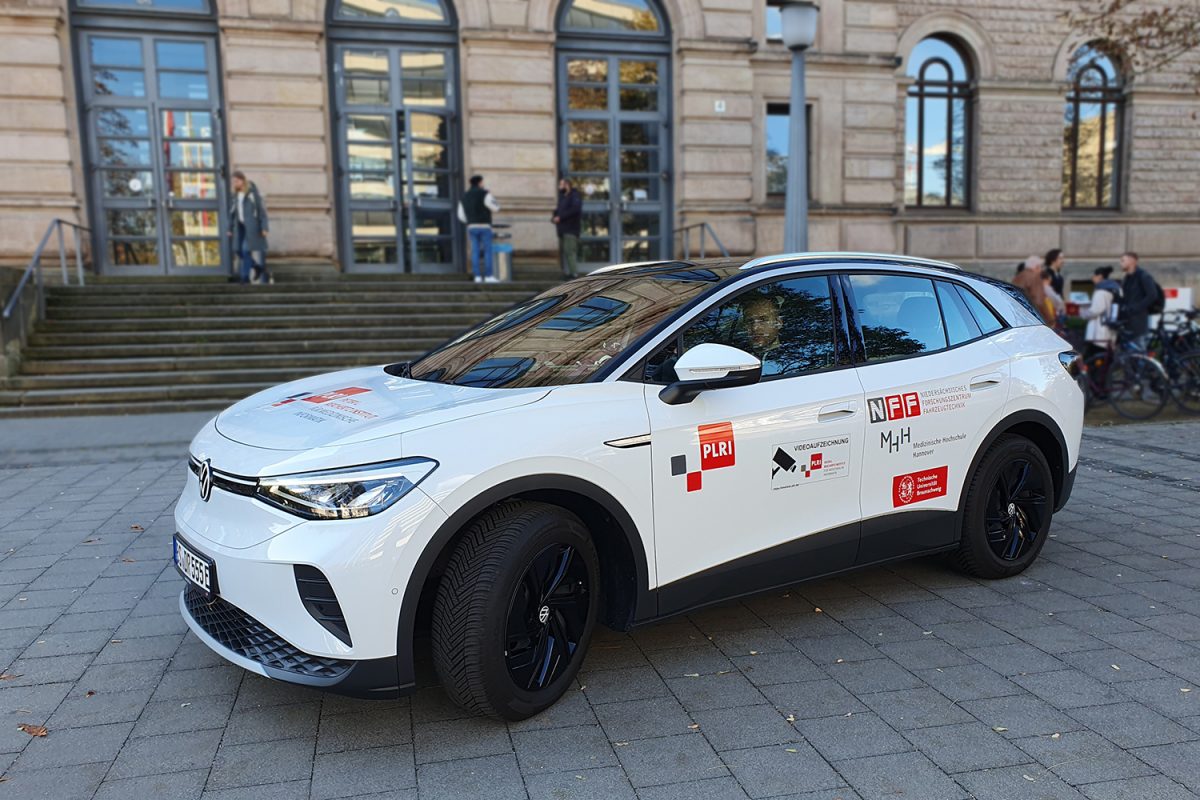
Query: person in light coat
(1099, 334)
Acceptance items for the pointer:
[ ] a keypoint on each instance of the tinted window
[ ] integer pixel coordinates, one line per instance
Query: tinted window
(898, 315)
(984, 317)
(960, 325)
(788, 325)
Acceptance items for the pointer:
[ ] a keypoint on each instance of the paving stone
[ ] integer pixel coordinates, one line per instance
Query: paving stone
(359, 772)
(915, 708)
(1083, 757)
(968, 682)
(356, 730)
(72, 746)
(781, 769)
(607, 783)
(1015, 659)
(906, 774)
(1157, 788)
(734, 643)
(614, 685)
(455, 739)
(669, 759)
(178, 751)
(1179, 761)
(967, 747)
(766, 669)
(812, 699)
(679, 661)
(832, 649)
(727, 690)
(1057, 638)
(175, 716)
(1166, 696)
(925, 653)
(66, 783)
(710, 789)
(81, 710)
(290, 790)
(298, 721)
(168, 786)
(560, 749)
(1068, 688)
(1027, 782)
(1132, 725)
(493, 778)
(854, 736)
(745, 726)
(876, 675)
(261, 763)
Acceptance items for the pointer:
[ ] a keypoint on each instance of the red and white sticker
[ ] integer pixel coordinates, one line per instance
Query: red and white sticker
(915, 487)
(809, 461)
(716, 445)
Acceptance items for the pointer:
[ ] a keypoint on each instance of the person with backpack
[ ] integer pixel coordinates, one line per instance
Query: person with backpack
(1141, 296)
(1106, 299)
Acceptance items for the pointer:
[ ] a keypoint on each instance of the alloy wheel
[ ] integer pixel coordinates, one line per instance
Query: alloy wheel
(547, 617)
(1016, 508)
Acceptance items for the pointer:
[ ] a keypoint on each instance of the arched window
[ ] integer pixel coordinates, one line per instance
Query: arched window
(1092, 130)
(637, 17)
(937, 135)
(406, 12)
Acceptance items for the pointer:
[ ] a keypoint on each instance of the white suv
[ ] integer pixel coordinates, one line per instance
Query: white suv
(630, 445)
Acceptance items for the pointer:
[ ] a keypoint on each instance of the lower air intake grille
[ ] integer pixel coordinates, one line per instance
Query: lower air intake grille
(246, 636)
(318, 598)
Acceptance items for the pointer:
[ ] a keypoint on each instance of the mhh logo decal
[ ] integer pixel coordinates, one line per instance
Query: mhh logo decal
(894, 406)
(811, 460)
(914, 487)
(716, 452)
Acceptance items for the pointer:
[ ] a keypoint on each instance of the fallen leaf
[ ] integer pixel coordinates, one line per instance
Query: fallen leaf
(90, 693)
(1185, 690)
(926, 633)
(753, 652)
(116, 641)
(694, 726)
(1029, 778)
(90, 541)
(840, 661)
(691, 674)
(8, 676)
(999, 729)
(127, 560)
(184, 705)
(32, 730)
(790, 749)
(22, 599)
(1055, 735)
(1114, 666)
(791, 717)
(620, 744)
(136, 527)
(817, 610)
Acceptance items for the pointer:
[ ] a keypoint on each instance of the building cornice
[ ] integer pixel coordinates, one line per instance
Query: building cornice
(282, 27)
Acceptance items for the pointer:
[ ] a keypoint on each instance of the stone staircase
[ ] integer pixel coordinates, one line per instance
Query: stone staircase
(120, 346)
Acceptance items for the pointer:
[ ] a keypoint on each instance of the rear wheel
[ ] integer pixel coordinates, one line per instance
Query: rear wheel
(1008, 507)
(1186, 386)
(1137, 386)
(515, 610)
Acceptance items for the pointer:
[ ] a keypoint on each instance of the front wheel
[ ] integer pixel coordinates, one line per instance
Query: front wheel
(1186, 386)
(1007, 512)
(515, 609)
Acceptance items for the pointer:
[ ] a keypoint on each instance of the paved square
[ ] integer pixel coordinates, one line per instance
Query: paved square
(1078, 679)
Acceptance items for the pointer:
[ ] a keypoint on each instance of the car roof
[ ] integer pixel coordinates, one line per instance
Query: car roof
(720, 270)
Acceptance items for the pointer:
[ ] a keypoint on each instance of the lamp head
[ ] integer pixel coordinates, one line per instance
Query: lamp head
(799, 23)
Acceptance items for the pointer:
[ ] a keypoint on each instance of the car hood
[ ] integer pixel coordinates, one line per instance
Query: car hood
(356, 405)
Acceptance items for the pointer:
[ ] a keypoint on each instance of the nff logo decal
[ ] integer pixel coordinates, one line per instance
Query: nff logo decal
(894, 407)
(914, 487)
(716, 451)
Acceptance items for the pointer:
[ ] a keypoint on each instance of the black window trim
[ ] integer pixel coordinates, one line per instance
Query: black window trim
(864, 361)
(636, 372)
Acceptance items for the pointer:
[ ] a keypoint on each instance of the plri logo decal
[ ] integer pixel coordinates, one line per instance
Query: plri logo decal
(716, 452)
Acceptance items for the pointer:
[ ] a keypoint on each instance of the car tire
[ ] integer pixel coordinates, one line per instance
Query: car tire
(1006, 516)
(508, 639)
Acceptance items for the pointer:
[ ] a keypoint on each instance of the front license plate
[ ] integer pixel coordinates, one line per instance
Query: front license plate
(198, 569)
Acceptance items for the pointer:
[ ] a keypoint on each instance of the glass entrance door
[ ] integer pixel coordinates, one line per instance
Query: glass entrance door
(398, 175)
(154, 153)
(615, 143)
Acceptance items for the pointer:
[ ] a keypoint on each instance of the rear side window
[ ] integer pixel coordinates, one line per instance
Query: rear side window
(985, 318)
(898, 315)
(960, 324)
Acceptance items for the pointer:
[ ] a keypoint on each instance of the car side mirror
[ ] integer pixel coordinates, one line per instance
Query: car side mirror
(710, 366)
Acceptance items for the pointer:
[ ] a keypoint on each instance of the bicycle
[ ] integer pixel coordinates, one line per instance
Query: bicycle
(1132, 382)
(1175, 341)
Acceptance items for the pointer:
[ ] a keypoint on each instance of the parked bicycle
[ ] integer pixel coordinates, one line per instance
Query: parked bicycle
(1175, 342)
(1132, 382)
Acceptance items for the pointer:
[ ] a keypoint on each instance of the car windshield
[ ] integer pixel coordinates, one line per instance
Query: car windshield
(564, 335)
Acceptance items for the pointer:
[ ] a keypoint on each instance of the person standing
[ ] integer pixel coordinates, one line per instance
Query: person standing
(568, 214)
(1138, 293)
(1029, 281)
(1100, 335)
(1055, 260)
(248, 227)
(476, 209)
(1055, 307)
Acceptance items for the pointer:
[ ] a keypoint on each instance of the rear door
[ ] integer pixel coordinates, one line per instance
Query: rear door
(933, 383)
(758, 485)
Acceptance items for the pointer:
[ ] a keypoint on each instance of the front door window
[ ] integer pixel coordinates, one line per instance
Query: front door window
(614, 143)
(399, 178)
(155, 152)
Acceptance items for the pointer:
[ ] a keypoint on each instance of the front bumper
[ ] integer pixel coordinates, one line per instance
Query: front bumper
(246, 642)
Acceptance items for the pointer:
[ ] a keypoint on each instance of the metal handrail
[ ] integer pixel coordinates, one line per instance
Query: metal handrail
(705, 231)
(34, 268)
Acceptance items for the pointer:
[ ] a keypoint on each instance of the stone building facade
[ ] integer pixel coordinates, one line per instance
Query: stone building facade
(361, 119)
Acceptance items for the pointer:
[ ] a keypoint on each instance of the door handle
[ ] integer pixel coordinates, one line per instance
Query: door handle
(836, 411)
(980, 382)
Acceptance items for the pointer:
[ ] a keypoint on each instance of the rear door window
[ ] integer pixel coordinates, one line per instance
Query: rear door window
(898, 314)
(985, 318)
(960, 324)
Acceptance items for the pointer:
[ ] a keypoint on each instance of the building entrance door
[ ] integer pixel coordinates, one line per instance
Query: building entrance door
(398, 177)
(154, 152)
(614, 142)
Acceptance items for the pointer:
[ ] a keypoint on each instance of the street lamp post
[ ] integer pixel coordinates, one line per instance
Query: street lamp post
(799, 30)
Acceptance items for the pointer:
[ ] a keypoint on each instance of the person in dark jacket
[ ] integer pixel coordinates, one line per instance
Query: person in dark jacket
(476, 209)
(1138, 293)
(567, 216)
(248, 226)
(1055, 260)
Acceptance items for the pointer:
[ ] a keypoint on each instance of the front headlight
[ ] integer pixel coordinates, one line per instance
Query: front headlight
(347, 493)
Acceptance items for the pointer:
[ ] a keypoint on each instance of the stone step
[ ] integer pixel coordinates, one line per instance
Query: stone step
(395, 310)
(226, 329)
(239, 300)
(347, 283)
(197, 349)
(320, 362)
(225, 393)
(110, 409)
(185, 377)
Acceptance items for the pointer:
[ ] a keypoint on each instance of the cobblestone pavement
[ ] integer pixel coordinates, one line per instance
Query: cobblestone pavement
(1079, 679)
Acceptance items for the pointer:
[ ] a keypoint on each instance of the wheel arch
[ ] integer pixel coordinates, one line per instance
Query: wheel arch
(1039, 428)
(623, 564)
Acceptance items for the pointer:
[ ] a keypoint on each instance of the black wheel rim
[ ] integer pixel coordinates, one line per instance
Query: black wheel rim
(547, 617)
(1016, 509)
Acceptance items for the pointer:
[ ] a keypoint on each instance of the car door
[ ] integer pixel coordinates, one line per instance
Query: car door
(933, 381)
(757, 485)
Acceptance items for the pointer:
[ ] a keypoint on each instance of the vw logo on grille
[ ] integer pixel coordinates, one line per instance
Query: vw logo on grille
(544, 614)
(206, 479)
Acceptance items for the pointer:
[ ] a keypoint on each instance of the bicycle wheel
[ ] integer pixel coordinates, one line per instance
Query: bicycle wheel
(1092, 380)
(1137, 386)
(1185, 384)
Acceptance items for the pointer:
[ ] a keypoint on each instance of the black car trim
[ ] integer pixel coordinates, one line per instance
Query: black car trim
(643, 601)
